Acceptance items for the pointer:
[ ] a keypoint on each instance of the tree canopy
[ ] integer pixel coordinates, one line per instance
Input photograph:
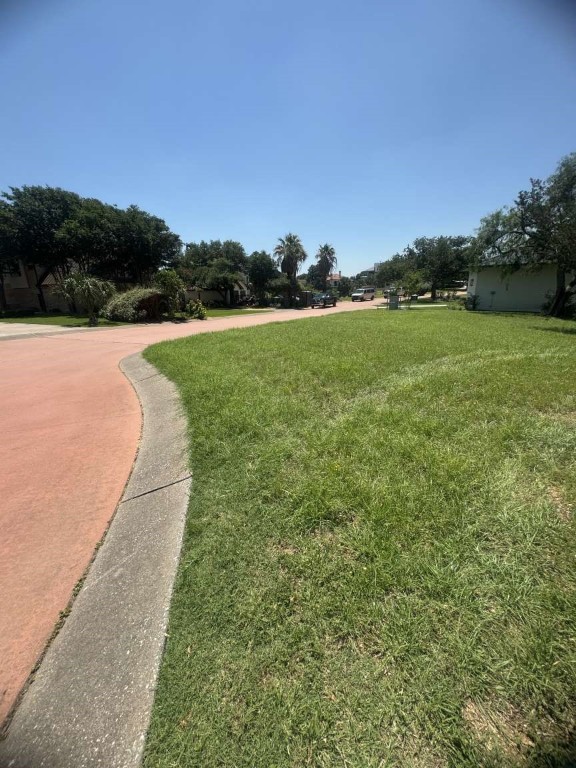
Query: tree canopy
(540, 228)
(261, 271)
(61, 232)
(437, 262)
(290, 255)
(215, 266)
(325, 261)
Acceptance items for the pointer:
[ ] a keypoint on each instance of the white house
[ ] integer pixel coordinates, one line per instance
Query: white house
(490, 288)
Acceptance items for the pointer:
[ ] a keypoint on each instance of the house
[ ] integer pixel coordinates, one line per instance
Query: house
(493, 288)
(333, 281)
(239, 295)
(21, 293)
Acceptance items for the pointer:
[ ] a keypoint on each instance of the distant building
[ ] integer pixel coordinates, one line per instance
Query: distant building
(333, 281)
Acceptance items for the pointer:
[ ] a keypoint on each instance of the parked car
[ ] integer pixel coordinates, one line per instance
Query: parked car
(363, 294)
(323, 300)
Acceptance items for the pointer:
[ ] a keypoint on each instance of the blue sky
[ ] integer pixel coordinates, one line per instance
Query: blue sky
(363, 124)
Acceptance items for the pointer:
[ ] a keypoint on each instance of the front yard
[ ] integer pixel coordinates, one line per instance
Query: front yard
(378, 567)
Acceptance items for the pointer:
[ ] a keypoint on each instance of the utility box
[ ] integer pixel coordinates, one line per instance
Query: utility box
(393, 302)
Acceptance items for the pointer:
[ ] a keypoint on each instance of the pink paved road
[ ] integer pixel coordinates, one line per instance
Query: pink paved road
(70, 429)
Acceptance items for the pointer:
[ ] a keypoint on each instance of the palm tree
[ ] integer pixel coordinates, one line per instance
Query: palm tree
(326, 258)
(290, 254)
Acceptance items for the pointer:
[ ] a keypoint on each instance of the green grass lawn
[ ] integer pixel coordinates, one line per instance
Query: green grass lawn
(67, 321)
(378, 565)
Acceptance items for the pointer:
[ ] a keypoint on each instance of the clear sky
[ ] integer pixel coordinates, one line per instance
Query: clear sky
(363, 124)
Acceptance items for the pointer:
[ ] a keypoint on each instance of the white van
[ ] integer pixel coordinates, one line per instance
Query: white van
(363, 294)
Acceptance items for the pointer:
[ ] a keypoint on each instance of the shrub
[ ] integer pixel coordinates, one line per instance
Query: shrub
(90, 292)
(196, 310)
(136, 305)
(169, 283)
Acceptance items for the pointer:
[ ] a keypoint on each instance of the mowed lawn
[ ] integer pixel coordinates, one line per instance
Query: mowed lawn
(378, 566)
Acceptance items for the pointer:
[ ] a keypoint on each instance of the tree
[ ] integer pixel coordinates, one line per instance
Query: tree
(314, 277)
(547, 220)
(8, 262)
(213, 266)
(145, 244)
(90, 238)
(441, 260)
(392, 272)
(412, 282)
(539, 229)
(88, 291)
(169, 282)
(326, 261)
(37, 215)
(59, 232)
(290, 255)
(261, 270)
(345, 287)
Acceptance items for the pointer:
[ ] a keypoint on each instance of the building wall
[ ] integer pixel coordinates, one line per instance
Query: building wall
(520, 291)
(21, 293)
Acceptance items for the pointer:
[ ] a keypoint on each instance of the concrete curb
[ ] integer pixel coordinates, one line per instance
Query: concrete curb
(89, 703)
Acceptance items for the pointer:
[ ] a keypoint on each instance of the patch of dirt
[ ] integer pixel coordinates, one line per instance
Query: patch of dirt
(502, 731)
(283, 549)
(563, 508)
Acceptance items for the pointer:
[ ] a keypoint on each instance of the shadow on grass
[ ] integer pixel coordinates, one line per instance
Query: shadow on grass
(566, 331)
(554, 754)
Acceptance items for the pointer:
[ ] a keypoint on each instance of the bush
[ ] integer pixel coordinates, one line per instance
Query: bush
(169, 283)
(135, 306)
(457, 303)
(90, 292)
(196, 310)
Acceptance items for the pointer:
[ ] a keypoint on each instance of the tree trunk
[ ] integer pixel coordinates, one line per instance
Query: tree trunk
(39, 280)
(559, 300)
(433, 293)
(3, 303)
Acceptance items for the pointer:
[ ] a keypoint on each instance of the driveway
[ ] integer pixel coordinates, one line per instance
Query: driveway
(71, 425)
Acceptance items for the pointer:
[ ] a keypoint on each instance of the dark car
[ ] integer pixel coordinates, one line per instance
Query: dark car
(323, 300)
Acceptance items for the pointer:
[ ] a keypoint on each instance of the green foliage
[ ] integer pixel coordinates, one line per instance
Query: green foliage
(196, 310)
(261, 271)
(169, 282)
(214, 266)
(434, 261)
(61, 232)
(314, 277)
(136, 305)
(326, 261)
(87, 291)
(345, 288)
(539, 229)
(290, 255)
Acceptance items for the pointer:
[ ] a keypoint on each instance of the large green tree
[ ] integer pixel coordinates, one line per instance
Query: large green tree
(441, 261)
(261, 271)
(546, 215)
(290, 255)
(539, 229)
(315, 278)
(215, 266)
(37, 215)
(59, 232)
(326, 261)
(8, 260)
